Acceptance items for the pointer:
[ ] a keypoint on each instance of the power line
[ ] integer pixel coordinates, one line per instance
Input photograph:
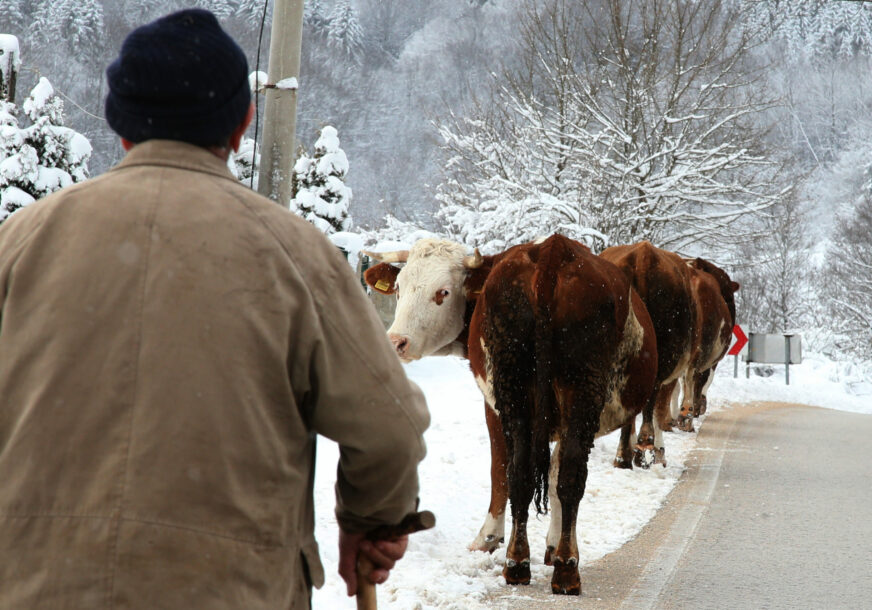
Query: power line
(254, 163)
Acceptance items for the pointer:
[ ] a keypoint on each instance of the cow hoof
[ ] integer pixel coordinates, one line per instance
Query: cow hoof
(566, 579)
(660, 456)
(686, 424)
(622, 463)
(643, 458)
(517, 573)
(489, 544)
(549, 551)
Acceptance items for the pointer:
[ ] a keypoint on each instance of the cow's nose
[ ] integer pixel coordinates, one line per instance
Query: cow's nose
(401, 343)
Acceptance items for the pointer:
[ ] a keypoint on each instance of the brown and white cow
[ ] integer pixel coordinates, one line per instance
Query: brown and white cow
(563, 350)
(663, 281)
(715, 315)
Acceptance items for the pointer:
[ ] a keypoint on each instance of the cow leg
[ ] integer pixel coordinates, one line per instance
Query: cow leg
(553, 537)
(649, 446)
(661, 416)
(571, 481)
(685, 416)
(674, 409)
(492, 533)
(517, 570)
(703, 382)
(643, 454)
(624, 458)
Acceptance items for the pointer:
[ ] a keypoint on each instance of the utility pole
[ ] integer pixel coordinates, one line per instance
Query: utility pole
(280, 115)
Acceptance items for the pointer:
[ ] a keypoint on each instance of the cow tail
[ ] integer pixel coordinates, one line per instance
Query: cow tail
(545, 414)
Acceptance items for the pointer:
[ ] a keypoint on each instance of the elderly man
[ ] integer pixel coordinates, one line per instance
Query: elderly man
(171, 343)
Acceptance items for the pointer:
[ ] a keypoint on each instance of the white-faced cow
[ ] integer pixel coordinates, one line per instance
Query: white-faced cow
(663, 281)
(563, 350)
(715, 315)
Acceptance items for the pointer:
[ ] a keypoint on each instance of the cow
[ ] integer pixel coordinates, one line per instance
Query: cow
(715, 316)
(663, 281)
(563, 350)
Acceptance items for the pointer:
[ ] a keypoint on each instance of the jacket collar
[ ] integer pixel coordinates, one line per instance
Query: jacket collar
(170, 153)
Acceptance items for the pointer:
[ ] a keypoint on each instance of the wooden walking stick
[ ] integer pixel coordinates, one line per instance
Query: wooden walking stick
(411, 523)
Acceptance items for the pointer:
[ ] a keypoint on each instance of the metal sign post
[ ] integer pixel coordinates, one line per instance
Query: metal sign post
(783, 349)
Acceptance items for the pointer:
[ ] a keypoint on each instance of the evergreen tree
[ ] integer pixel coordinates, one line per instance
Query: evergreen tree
(11, 16)
(244, 163)
(78, 24)
(321, 196)
(343, 29)
(41, 158)
(315, 15)
(251, 11)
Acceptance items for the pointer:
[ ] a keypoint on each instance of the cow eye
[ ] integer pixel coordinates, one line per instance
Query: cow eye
(443, 293)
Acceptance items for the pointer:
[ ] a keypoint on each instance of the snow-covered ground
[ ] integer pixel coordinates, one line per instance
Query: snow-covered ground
(438, 570)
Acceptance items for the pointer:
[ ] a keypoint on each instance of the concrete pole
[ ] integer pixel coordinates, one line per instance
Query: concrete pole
(280, 114)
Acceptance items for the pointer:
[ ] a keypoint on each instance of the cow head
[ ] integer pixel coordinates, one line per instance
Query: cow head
(431, 295)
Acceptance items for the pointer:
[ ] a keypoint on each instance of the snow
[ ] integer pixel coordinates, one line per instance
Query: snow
(39, 97)
(9, 48)
(288, 84)
(438, 570)
(256, 80)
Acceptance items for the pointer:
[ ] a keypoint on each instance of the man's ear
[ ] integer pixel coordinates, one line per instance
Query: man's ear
(127, 144)
(382, 278)
(236, 136)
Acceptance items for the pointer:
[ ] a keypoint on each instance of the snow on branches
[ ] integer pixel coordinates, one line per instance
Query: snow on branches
(320, 193)
(619, 125)
(41, 158)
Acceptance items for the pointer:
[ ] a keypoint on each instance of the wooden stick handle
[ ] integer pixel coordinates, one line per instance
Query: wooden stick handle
(411, 523)
(366, 598)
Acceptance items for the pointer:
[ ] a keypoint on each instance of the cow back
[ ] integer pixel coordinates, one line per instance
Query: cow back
(662, 280)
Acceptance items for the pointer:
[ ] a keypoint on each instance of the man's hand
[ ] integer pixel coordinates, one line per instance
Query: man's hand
(383, 554)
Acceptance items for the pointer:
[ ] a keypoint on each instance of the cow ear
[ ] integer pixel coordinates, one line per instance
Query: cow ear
(474, 282)
(734, 286)
(382, 278)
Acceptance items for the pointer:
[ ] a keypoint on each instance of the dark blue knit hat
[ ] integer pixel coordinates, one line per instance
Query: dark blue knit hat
(180, 77)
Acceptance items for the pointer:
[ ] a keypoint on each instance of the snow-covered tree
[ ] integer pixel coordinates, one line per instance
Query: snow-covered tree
(12, 15)
(343, 29)
(635, 118)
(41, 158)
(315, 15)
(817, 29)
(77, 24)
(850, 280)
(777, 273)
(244, 163)
(320, 193)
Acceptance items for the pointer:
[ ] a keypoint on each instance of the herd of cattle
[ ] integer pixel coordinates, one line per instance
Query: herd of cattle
(566, 346)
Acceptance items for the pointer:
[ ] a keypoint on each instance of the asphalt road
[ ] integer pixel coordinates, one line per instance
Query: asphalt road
(774, 511)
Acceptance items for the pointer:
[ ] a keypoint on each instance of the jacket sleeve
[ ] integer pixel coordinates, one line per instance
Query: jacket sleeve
(362, 399)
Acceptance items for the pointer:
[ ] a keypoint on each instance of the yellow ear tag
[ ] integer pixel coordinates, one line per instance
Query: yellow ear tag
(383, 285)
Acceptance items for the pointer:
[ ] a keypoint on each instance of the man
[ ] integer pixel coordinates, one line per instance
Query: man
(170, 345)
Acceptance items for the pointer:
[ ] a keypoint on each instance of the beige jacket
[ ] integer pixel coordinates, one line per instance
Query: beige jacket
(170, 344)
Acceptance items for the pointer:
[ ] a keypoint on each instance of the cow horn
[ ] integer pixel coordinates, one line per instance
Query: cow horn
(474, 261)
(397, 256)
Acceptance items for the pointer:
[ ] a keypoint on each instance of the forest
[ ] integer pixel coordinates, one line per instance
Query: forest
(735, 130)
